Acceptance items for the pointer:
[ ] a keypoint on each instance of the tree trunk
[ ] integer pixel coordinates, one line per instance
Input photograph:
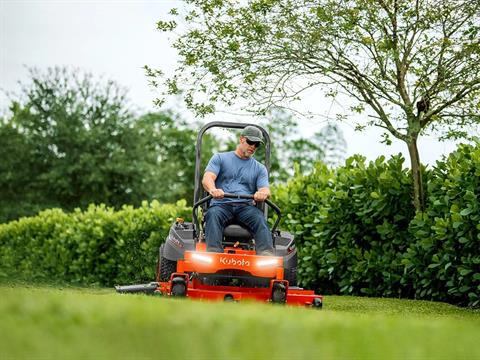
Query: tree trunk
(418, 194)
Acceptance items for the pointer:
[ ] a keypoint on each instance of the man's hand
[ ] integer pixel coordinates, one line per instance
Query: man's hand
(260, 196)
(217, 193)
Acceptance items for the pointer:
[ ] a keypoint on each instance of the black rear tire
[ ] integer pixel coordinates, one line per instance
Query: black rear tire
(165, 267)
(290, 275)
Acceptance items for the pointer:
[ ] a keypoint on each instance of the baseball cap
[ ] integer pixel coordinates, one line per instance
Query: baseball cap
(252, 133)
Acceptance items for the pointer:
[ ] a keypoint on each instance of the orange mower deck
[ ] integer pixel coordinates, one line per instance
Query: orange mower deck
(184, 282)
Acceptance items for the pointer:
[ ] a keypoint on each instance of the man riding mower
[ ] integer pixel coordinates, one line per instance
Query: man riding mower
(234, 255)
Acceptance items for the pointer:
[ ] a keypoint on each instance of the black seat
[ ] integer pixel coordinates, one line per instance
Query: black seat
(237, 233)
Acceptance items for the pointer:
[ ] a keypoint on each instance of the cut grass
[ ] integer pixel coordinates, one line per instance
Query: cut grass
(99, 324)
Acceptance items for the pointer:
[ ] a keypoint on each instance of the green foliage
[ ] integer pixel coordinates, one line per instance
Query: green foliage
(269, 52)
(446, 255)
(172, 150)
(18, 194)
(355, 230)
(358, 234)
(351, 225)
(71, 141)
(96, 246)
(413, 68)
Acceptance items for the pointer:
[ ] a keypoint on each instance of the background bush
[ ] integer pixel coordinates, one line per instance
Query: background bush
(97, 246)
(358, 234)
(444, 261)
(351, 225)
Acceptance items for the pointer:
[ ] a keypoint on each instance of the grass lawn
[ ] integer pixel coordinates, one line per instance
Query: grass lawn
(69, 323)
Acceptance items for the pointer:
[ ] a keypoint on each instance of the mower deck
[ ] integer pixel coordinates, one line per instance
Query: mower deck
(294, 296)
(184, 282)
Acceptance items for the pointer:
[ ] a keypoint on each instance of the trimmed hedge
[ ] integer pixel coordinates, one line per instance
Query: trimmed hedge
(444, 261)
(96, 246)
(358, 234)
(351, 225)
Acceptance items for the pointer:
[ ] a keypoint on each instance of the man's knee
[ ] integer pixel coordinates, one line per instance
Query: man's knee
(254, 218)
(214, 214)
(260, 221)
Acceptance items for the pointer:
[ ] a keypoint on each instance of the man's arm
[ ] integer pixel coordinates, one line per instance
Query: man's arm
(208, 183)
(263, 190)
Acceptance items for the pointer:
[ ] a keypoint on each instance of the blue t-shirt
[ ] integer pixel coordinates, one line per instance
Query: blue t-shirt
(236, 175)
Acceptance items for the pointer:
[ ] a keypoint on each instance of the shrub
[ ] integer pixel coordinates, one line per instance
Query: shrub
(351, 225)
(97, 246)
(444, 261)
(358, 234)
(355, 229)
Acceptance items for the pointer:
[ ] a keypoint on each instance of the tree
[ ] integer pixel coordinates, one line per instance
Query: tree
(330, 138)
(411, 65)
(71, 141)
(290, 150)
(16, 194)
(173, 145)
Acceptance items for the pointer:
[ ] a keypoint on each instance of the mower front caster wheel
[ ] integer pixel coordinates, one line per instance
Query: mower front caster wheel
(179, 287)
(229, 298)
(317, 303)
(279, 293)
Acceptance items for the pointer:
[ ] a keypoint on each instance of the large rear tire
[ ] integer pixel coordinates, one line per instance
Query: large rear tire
(290, 275)
(165, 267)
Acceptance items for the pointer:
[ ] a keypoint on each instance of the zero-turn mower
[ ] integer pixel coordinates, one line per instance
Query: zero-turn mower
(186, 269)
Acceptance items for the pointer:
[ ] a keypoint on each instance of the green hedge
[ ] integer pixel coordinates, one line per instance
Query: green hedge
(351, 225)
(358, 234)
(97, 246)
(444, 261)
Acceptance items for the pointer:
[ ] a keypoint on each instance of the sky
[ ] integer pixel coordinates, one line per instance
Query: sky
(115, 39)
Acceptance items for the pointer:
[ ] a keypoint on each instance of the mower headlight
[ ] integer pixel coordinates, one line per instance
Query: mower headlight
(267, 262)
(202, 258)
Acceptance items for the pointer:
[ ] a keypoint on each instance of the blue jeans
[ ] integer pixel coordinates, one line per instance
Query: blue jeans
(248, 215)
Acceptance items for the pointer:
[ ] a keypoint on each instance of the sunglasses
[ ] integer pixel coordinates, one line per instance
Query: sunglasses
(255, 143)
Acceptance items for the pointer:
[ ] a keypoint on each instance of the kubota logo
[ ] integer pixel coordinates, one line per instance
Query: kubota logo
(234, 262)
